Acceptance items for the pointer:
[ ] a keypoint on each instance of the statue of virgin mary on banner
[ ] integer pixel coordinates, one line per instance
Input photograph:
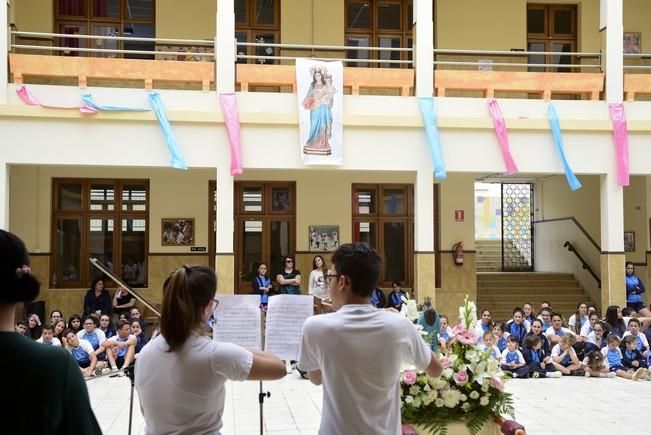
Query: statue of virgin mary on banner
(320, 89)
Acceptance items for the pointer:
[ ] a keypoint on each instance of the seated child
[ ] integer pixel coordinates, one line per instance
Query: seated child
(564, 356)
(47, 337)
(539, 365)
(640, 339)
(445, 334)
(489, 344)
(614, 358)
(557, 330)
(595, 365)
(632, 358)
(513, 361)
(500, 335)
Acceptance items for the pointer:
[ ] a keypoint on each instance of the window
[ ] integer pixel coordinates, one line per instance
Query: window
(265, 216)
(257, 21)
(551, 28)
(128, 18)
(105, 219)
(379, 23)
(383, 217)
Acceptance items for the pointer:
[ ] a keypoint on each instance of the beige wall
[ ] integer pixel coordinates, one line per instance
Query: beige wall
(190, 19)
(173, 193)
(34, 15)
(554, 199)
(457, 193)
(635, 217)
(636, 19)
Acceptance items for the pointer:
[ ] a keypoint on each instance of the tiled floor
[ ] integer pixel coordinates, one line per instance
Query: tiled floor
(571, 405)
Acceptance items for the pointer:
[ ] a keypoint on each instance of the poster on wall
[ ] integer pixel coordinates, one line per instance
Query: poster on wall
(320, 111)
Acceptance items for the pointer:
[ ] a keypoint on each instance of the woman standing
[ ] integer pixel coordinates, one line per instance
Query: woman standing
(634, 290)
(289, 279)
(97, 300)
(123, 301)
(317, 283)
(262, 286)
(181, 374)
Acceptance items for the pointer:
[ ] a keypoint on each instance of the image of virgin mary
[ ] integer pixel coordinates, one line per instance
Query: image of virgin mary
(318, 101)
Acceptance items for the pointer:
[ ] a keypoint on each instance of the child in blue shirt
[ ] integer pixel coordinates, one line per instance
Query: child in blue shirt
(538, 363)
(632, 358)
(564, 357)
(489, 345)
(614, 357)
(500, 335)
(513, 361)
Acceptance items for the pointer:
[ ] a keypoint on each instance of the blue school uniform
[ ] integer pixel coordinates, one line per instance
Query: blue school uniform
(628, 356)
(82, 357)
(501, 344)
(614, 358)
(512, 357)
(262, 281)
(495, 351)
(546, 326)
(92, 339)
(519, 331)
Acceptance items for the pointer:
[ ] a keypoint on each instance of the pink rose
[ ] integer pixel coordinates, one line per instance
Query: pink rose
(409, 377)
(445, 362)
(461, 377)
(497, 383)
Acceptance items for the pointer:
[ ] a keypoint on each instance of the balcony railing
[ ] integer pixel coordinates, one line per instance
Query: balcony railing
(637, 80)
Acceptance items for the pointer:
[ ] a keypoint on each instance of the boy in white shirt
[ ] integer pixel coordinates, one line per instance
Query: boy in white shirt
(356, 352)
(47, 337)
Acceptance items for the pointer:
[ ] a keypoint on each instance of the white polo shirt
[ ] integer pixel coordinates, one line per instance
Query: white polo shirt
(183, 391)
(359, 350)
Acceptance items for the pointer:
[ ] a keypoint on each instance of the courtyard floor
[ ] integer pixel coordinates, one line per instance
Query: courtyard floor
(570, 405)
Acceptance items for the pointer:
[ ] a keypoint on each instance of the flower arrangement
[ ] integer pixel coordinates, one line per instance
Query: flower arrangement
(470, 389)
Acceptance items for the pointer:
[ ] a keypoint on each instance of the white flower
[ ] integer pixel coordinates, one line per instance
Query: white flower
(426, 388)
(409, 400)
(485, 386)
(414, 390)
(463, 398)
(447, 373)
(473, 356)
(439, 383)
(409, 309)
(432, 396)
(450, 398)
(465, 406)
(438, 403)
(417, 402)
(483, 401)
(474, 395)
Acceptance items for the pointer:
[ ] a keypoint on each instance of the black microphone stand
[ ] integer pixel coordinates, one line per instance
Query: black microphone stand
(262, 394)
(130, 372)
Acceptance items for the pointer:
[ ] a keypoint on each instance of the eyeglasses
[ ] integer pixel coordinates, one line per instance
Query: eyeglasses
(215, 304)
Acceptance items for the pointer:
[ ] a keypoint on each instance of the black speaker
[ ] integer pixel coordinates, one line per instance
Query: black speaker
(38, 308)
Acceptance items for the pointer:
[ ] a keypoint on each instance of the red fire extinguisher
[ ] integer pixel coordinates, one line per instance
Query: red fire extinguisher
(457, 253)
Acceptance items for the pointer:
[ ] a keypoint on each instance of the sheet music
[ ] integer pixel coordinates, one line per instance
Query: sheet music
(285, 317)
(237, 320)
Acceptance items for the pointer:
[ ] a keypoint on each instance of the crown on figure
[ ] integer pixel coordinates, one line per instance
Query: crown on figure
(319, 69)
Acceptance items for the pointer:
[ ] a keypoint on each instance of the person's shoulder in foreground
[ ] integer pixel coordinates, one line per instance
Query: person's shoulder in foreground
(48, 393)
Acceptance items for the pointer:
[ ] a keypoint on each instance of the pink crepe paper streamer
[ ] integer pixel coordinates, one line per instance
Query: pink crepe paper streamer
(30, 99)
(232, 120)
(620, 136)
(502, 135)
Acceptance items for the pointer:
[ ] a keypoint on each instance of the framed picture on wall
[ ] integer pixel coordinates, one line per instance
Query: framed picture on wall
(632, 42)
(324, 238)
(177, 232)
(629, 241)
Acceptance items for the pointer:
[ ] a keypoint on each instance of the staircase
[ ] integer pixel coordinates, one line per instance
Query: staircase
(500, 292)
(489, 255)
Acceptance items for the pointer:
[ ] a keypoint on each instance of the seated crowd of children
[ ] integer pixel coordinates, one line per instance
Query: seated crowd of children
(97, 345)
(543, 346)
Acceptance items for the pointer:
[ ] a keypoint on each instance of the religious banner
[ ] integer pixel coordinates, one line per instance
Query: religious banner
(319, 87)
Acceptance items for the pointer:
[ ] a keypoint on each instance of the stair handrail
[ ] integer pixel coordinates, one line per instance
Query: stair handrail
(578, 225)
(584, 263)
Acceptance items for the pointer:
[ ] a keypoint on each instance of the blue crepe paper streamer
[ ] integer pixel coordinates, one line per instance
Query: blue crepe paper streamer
(428, 113)
(178, 161)
(560, 147)
(88, 100)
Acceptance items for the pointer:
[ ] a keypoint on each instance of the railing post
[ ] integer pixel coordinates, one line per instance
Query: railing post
(613, 26)
(225, 47)
(424, 48)
(4, 51)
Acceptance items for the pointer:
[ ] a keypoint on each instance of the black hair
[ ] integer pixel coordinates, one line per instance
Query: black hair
(615, 324)
(634, 320)
(595, 360)
(518, 310)
(17, 282)
(95, 280)
(512, 339)
(360, 264)
(531, 340)
(396, 283)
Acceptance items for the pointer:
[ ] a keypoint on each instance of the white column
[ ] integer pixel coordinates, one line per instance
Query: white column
(612, 13)
(424, 211)
(4, 196)
(4, 53)
(612, 215)
(225, 213)
(423, 48)
(225, 47)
